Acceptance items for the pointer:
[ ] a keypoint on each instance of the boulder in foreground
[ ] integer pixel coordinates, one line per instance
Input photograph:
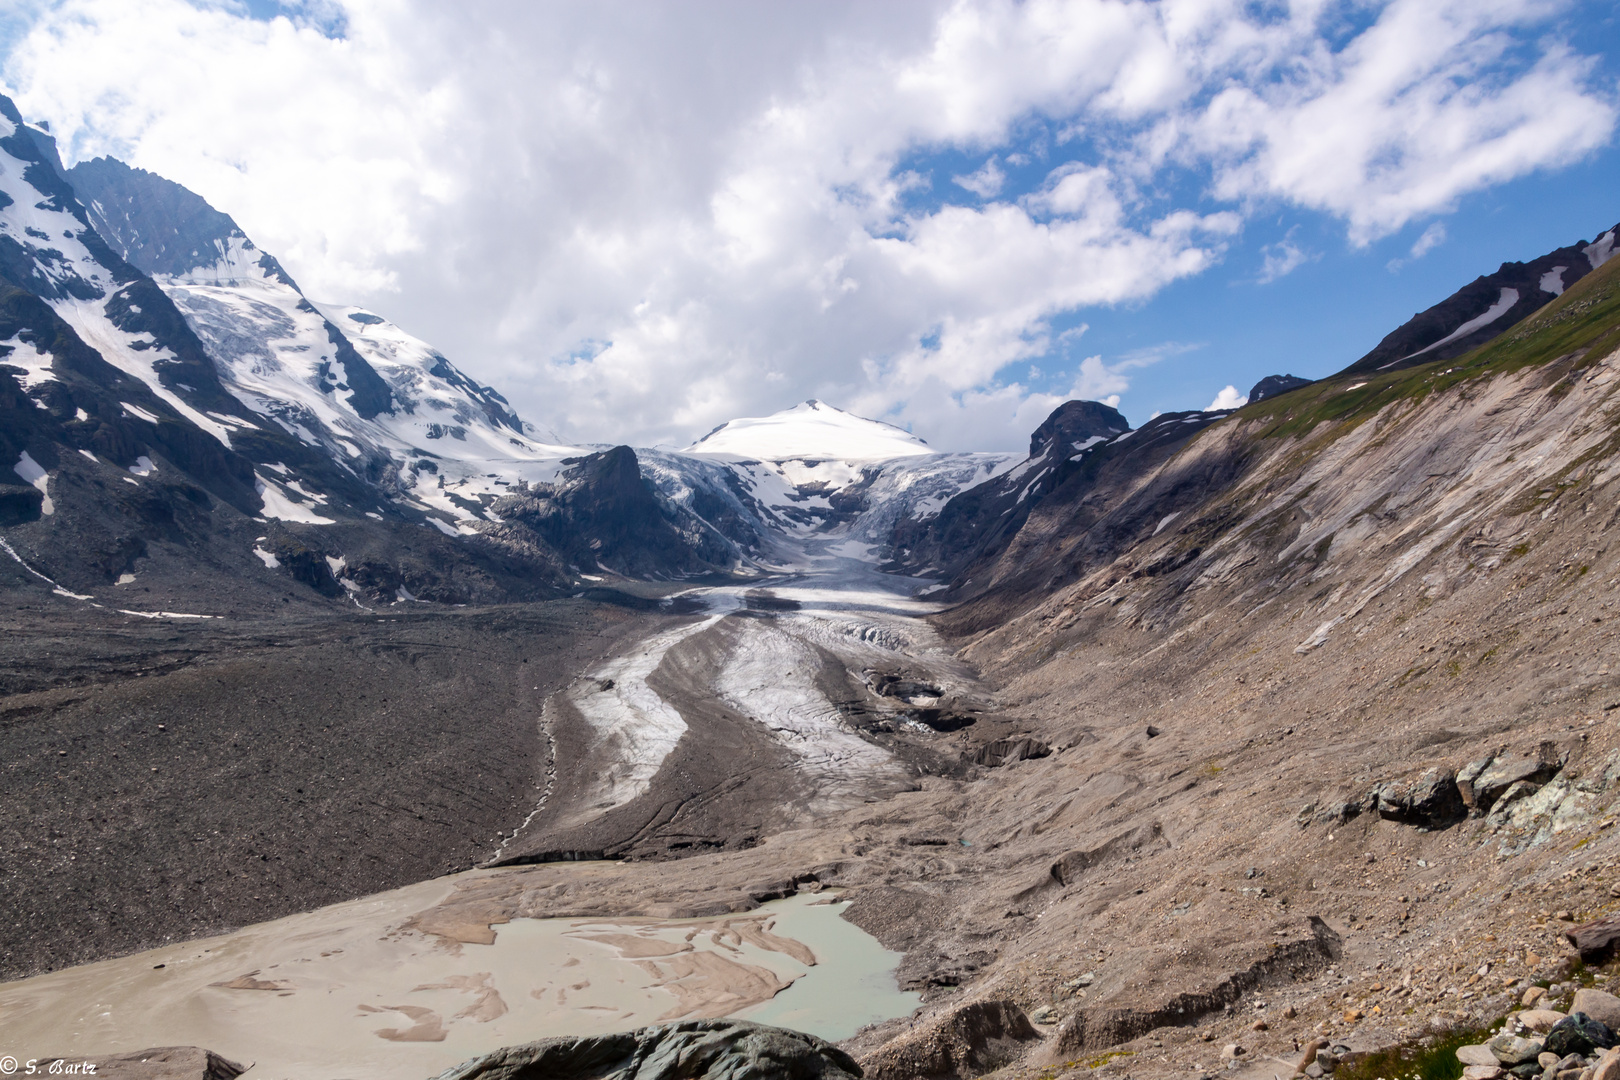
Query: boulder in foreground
(688, 1050)
(158, 1063)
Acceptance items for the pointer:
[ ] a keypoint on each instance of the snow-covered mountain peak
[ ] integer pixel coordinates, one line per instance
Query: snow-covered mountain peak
(810, 431)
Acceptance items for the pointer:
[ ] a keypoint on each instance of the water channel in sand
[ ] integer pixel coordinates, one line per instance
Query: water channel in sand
(342, 993)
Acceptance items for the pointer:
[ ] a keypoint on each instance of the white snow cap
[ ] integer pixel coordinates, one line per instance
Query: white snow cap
(1600, 250)
(812, 430)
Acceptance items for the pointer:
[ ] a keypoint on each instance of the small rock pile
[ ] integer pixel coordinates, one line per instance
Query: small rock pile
(1550, 1045)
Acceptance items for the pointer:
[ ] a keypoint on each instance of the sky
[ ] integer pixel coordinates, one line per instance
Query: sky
(639, 220)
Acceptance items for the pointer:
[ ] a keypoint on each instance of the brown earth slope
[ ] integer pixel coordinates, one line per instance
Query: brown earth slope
(1258, 707)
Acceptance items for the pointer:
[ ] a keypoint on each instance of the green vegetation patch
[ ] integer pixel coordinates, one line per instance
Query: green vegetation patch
(1436, 1061)
(1582, 325)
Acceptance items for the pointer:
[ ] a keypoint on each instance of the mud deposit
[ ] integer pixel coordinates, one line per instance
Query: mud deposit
(344, 991)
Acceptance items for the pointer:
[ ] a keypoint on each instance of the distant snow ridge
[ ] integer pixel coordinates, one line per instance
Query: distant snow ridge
(808, 432)
(817, 471)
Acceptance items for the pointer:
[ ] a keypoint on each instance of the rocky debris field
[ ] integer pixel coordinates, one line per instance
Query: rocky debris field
(170, 778)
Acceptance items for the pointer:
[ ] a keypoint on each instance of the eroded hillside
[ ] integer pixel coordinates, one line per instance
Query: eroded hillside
(1307, 733)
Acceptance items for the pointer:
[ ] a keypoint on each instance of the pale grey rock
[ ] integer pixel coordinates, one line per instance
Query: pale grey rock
(1510, 1050)
(1599, 1006)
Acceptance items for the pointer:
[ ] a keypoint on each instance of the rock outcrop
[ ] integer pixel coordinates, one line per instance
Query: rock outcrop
(967, 1041)
(1430, 799)
(1272, 385)
(158, 1063)
(690, 1050)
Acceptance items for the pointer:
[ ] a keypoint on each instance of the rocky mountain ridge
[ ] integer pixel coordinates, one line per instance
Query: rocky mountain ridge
(347, 438)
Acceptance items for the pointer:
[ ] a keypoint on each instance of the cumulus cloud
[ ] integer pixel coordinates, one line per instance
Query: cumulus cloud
(986, 182)
(640, 222)
(1422, 108)
(1228, 398)
(1432, 237)
(1282, 258)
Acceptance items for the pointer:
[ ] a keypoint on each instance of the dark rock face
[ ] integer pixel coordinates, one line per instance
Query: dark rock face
(981, 521)
(1074, 423)
(153, 223)
(1095, 509)
(1432, 799)
(689, 1050)
(1577, 1033)
(1272, 385)
(604, 513)
(88, 385)
(1007, 751)
(160, 227)
(1427, 336)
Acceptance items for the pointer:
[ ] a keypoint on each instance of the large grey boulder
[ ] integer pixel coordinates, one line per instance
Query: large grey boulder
(687, 1050)
(1600, 1006)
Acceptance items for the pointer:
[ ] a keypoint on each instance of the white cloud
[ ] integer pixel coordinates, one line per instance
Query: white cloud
(1412, 114)
(641, 222)
(985, 183)
(1282, 258)
(1432, 237)
(1228, 398)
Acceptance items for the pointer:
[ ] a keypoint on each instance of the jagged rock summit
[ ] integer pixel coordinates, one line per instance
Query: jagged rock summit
(1272, 385)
